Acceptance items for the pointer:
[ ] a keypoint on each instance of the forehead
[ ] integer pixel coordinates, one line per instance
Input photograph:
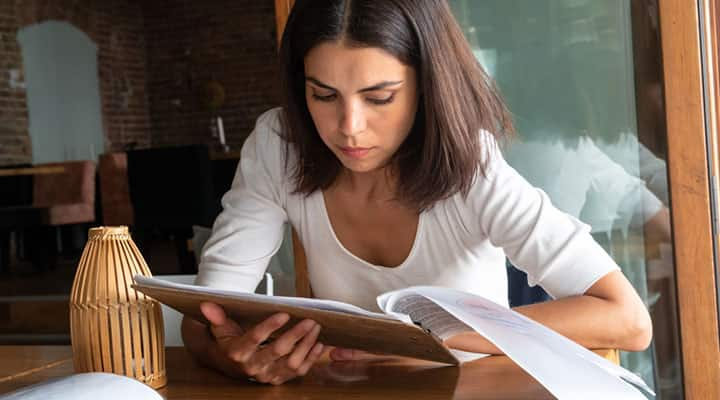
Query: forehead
(335, 62)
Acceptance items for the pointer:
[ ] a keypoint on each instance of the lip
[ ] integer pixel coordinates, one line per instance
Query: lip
(355, 152)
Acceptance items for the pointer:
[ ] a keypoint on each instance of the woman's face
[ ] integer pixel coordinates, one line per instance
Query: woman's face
(362, 101)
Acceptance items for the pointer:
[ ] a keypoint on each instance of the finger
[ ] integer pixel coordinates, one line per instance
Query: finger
(280, 373)
(213, 313)
(344, 354)
(220, 325)
(283, 345)
(303, 348)
(243, 348)
(310, 360)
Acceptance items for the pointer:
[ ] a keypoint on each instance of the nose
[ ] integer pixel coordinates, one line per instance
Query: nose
(352, 120)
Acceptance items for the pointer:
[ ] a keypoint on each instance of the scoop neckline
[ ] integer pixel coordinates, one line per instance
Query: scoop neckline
(413, 249)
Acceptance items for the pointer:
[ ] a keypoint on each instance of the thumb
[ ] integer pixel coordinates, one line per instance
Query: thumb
(220, 325)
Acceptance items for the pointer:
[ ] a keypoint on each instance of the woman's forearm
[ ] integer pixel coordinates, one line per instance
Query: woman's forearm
(607, 316)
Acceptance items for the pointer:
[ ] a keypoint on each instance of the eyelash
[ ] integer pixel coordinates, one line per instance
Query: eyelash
(384, 101)
(378, 102)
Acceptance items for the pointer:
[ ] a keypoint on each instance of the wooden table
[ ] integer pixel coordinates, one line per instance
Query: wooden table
(32, 170)
(20, 361)
(489, 378)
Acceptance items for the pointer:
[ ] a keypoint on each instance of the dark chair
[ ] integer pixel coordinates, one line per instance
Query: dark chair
(171, 189)
(223, 171)
(519, 292)
(67, 197)
(58, 200)
(15, 191)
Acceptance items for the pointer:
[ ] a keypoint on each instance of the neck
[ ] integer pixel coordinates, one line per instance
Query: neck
(371, 186)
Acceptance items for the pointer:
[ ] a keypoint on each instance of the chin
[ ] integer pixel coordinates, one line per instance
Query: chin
(359, 166)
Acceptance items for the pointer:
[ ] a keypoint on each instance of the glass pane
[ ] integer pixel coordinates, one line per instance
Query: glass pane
(583, 81)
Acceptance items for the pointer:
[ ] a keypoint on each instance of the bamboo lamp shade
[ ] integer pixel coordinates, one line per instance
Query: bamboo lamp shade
(113, 327)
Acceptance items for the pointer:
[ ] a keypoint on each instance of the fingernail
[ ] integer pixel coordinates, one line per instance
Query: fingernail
(282, 318)
(318, 348)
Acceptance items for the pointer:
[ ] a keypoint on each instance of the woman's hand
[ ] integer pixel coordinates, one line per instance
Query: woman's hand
(288, 356)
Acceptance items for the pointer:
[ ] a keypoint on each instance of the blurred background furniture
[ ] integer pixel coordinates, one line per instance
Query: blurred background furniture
(162, 193)
(67, 197)
(115, 205)
(28, 169)
(62, 195)
(15, 190)
(171, 189)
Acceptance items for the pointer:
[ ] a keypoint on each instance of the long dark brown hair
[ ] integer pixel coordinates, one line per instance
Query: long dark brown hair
(444, 151)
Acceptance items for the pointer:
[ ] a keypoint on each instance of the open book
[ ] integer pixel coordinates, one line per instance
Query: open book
(414, 323)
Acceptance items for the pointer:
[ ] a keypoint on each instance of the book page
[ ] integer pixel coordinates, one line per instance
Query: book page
(327, 305)
(429, 316)
(565, 368)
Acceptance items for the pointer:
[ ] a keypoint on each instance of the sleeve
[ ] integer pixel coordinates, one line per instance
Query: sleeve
(555, 249)
(249, 230)
(616, 199)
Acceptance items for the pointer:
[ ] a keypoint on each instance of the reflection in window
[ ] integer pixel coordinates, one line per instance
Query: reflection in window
(587, 104)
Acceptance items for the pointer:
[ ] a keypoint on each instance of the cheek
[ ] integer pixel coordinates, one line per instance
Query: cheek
(399, 121)
(322, 117)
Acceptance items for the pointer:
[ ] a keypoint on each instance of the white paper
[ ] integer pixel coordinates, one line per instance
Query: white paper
(564, 368)
(87, 386)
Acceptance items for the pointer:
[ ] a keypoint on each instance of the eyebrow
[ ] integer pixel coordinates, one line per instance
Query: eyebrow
(378, 86)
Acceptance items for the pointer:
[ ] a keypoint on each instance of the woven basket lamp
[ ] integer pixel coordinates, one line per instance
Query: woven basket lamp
(113, 327)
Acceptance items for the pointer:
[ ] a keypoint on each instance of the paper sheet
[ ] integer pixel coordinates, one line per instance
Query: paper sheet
(566, 369)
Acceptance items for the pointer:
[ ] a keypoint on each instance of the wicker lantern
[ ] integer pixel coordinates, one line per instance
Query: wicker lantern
(113, 327)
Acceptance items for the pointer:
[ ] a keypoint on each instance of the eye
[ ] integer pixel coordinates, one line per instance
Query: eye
(380, 102)
(326, 98)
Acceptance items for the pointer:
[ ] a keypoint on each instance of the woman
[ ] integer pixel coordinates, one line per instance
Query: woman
(382, 160)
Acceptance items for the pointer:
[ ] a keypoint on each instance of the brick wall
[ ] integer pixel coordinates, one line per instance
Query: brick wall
(117, 27)
(14, 141)
(191, 43)
(154, 60)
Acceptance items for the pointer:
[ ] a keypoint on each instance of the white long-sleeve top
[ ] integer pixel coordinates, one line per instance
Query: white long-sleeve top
(460, 242)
